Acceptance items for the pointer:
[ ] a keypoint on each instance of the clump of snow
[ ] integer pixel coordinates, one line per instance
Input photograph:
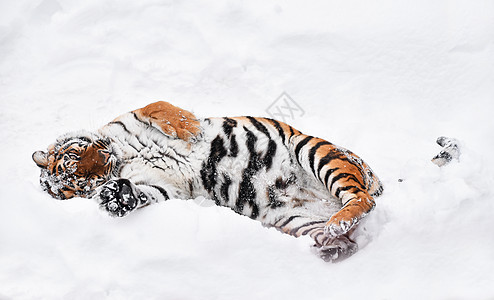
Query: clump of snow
(384, 80)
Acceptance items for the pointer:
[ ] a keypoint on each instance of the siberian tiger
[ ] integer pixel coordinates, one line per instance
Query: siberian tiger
(259, 167)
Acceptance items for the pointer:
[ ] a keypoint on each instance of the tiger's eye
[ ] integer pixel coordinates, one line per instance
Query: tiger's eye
(73, 156)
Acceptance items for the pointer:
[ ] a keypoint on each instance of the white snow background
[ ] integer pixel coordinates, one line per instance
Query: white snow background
(382, 78)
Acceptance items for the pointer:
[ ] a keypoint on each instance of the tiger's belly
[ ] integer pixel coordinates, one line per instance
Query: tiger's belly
(254, 174)
(241, 168)
(264, 194)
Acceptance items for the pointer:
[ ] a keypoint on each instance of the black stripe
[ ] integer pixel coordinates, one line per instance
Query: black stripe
(162, 191)
(300, 145)
(140, 142)
(259, 126)
(100, 144)
(85, 139)
(215, 198)
(345, 175)
(291, 218)
(208, 171)
(251, 141)
(294, 230)
(317, 235)
(135, 148)
(350, 203)
(277, 125)
(233, 146)
(328, 173)
(291, 131)
(310, 229)
(158, 167)
(270, 153)
(247, 191)
(191, 187)
(224, 188)
(333, 154)
(228, 125)
(137, 118)
(61, 152)
(255, 211)
(312, 154)
(345, 188)
(121, 124)
(170, 157)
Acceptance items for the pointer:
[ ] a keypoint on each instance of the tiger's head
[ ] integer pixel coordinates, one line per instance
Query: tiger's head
(76, 164)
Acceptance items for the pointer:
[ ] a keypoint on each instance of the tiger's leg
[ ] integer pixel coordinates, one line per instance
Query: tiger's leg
(345, 175)
(329, 248)
(356, 208)
(120, 196)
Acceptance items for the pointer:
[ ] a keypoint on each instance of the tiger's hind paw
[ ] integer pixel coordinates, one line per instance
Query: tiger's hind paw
(450, 151)
(337, 250)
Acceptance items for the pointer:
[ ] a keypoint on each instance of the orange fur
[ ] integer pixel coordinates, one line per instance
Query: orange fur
(354, 210)
(172, 120)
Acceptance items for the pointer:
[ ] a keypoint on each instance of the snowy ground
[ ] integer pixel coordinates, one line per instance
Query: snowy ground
(382, 79)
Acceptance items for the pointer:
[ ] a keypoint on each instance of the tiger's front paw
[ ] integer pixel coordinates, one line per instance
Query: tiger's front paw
(339, 224)
(119, 197)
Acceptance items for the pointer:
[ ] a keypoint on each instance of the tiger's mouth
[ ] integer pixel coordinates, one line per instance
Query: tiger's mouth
(59, 187)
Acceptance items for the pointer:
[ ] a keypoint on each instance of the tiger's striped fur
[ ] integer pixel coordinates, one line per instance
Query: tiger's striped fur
(259, 167)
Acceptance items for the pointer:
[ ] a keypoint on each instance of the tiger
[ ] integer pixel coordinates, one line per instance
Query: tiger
(259, 167)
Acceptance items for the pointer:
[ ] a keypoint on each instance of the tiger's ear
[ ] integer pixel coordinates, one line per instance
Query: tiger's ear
(172, 120)
(41, 159)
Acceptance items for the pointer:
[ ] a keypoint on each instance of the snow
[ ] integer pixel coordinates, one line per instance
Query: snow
(384, 79)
